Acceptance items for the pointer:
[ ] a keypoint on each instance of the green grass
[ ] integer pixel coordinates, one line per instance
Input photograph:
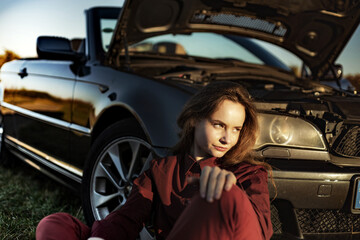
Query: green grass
(26, 196)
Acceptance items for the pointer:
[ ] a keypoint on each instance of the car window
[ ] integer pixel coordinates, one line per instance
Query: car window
(107, 27)
(208, 45)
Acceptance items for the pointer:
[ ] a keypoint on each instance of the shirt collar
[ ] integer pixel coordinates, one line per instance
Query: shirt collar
(189, 162)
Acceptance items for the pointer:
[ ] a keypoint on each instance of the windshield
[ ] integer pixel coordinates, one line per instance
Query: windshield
(198, 44)
(208, 45)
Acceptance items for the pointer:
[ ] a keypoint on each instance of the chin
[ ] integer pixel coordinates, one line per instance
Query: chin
(218, 154)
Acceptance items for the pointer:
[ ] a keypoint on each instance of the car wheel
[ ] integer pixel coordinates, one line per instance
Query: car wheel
(116, 158)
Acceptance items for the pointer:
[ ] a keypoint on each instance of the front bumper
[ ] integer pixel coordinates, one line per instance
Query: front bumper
(314, 205)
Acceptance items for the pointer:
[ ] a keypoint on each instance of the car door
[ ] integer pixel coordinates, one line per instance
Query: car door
(9, 79)
(42, 102)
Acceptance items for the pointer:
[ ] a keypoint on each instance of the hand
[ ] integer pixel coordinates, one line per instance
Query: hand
(213, 180)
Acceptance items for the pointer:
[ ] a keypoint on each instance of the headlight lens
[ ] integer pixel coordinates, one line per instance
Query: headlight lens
(288, 131)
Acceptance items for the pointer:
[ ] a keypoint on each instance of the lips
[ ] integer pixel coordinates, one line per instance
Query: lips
(221, 149)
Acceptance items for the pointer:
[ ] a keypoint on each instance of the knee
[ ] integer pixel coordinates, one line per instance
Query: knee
(55, 218)
(236, 200)
(234, 196)
(236, 205)
(50, 223)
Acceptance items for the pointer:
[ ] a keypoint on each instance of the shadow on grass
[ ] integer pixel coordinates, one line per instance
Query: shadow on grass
(26, 196)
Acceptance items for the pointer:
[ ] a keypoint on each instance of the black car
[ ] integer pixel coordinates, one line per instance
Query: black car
(92, 112)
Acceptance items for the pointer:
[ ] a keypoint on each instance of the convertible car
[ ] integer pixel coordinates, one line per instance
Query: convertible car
(92, 112)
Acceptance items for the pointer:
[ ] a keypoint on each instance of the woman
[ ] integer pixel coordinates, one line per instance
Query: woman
(211, 189)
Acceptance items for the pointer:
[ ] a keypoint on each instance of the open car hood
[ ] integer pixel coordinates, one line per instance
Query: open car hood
(314, 30)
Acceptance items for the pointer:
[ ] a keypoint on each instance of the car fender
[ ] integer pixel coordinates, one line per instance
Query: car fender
(155, 104)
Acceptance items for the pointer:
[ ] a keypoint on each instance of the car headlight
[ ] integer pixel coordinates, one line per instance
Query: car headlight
(288, 131)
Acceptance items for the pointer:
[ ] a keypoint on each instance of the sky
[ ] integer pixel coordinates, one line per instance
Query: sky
(22, 21)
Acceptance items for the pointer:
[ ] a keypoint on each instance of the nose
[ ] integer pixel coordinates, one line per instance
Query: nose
(226, 137)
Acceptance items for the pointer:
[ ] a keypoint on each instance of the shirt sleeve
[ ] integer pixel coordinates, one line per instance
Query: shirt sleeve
(127, 222)
(256, 187)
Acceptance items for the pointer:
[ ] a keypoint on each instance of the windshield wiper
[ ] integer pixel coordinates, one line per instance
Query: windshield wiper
(196, 76)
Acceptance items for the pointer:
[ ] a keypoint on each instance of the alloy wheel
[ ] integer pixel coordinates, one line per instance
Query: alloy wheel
(121, 161)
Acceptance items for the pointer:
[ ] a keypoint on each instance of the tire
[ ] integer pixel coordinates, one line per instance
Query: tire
(116, 158)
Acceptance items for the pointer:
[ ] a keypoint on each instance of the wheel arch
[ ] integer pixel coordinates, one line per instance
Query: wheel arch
(154, 106)
(112, 115)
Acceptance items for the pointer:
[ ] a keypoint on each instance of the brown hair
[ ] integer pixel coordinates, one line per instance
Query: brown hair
(203, 104)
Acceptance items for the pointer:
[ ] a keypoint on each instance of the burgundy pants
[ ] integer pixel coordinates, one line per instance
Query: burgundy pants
(231, 217)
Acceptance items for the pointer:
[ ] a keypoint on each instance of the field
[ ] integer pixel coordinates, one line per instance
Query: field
(26, 196)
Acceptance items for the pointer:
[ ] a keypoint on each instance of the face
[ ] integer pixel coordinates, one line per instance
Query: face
(216, 135)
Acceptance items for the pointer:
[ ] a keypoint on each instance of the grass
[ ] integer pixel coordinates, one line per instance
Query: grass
(26, 196)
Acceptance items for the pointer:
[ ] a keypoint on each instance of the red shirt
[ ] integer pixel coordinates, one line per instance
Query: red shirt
(163, 190)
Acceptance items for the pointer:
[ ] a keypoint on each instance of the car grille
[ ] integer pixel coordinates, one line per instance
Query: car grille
(348, 143)
(318, 221)
(275, 220)
(327, 221)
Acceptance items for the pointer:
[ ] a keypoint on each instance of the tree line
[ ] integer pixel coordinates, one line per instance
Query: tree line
(8, 56)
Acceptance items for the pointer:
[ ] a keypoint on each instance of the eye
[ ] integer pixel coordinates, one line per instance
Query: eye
(236, 130)
(217, 125)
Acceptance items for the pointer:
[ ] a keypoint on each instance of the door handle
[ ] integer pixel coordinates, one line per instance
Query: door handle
(23, 73)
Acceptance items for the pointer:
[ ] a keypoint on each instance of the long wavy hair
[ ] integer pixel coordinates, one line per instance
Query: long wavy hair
(203, 104)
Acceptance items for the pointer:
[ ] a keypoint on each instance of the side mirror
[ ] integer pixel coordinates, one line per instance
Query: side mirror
(56, 48)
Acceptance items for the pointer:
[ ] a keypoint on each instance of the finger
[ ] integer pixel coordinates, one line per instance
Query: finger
(230, 181)
(221, 178)
(212, 184)
(204, 177)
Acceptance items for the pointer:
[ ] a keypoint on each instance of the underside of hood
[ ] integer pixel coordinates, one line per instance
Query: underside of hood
(314, 30)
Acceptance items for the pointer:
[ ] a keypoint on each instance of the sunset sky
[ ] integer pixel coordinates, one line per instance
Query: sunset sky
(22, 21)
